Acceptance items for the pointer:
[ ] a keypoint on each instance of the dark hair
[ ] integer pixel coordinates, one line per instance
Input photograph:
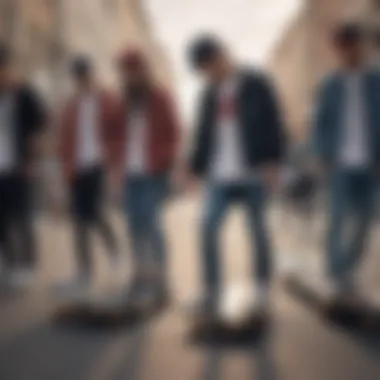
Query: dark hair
(5, 55)
(348, 34)
(81, 66)
(204, 49)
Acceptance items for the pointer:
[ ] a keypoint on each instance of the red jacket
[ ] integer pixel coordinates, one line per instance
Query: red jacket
(162, 134)
(67, 143)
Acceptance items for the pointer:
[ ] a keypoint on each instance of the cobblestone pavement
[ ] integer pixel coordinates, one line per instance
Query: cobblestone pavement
(298, 346)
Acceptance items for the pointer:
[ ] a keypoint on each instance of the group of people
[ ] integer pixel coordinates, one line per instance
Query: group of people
(239, 144)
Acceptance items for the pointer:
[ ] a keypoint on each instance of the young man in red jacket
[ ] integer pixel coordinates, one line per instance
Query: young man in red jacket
(144, 149)
(87, 120)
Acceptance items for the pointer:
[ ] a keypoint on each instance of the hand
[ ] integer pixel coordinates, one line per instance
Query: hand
(183, 180)
(114, 185)
(59, 208)
(320, 169)
(191, 182)
(270, 176)
(30, 170)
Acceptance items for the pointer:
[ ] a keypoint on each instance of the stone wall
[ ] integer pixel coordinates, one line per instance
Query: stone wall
(303, 55)
(46, 33)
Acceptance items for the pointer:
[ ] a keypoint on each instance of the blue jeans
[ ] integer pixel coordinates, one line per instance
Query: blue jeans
(351, 197)
(219, 198)
(144, 199)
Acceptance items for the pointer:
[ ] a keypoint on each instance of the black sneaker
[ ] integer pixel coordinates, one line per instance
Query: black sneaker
(207, 307)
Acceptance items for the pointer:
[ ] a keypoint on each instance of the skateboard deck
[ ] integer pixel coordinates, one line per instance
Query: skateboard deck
(237, 316)
(354, 311)
(108, 307)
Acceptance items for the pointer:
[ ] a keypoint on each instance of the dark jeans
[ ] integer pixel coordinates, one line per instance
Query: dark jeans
(87, 208)
(17, 236)
(219, 197)
(144, 199)
(351, 197)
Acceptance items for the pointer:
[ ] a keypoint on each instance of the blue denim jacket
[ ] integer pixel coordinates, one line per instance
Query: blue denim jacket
(328, 119)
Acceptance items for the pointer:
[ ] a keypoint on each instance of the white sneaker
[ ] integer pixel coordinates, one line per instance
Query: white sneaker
(116, 261)
(262, 298)
(22, 278)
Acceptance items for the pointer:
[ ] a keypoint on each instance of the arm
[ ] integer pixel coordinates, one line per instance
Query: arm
(320, 123)
(115, 137)
(172, 129)
(37, 124)
(65, 138)
(197, 150)
(275, 136)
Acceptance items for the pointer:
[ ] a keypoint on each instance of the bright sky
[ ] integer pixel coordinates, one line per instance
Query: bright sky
(250, 27)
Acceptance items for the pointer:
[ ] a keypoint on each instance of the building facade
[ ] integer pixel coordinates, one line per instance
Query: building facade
(304, 54)
(45, 34)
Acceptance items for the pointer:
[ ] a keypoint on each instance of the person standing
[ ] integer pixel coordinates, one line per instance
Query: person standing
(145, 145)
(22, 118)
(238, 147)
(87, 119)
(346, 140)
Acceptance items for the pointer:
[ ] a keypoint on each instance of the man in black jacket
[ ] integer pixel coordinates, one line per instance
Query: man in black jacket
(237, 149)
(21, 119)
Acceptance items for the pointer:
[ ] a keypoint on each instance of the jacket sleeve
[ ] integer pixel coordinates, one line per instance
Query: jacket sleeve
(115, 137)
(320, 122)
(172, 129)
(35, 117)
(111, 118)
(63, 145)
(37, 111)
(274, 144)
(196, 157)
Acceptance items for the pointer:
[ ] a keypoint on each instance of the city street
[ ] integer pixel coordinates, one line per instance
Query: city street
(298, 346)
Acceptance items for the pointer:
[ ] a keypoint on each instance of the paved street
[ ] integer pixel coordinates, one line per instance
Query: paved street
(299, 346)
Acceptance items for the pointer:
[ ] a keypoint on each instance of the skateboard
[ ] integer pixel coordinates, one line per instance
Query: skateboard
(237, 316)
(105, 308)
(355, 311)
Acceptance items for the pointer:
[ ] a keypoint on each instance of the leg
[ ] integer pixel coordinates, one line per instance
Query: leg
(82, 246)
(363, 207)
(152, 206)
(216, 205)
(133, 203)
(107, 233)
(81, 202)
(339, 194)
(6, 246)
(255, 207)
(25, 232)
(98, 214)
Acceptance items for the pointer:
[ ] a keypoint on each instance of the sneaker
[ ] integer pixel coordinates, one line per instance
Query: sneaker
(77, 288)
(136, 295)
(161, 291)
(116, 261)
(207, 307)
(262, 298)
(22, 278)
(339, 290)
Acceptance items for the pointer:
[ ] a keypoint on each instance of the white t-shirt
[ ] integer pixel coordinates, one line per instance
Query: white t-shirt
(136, 143)
(354, 151)
(227, 163)
(7, 147)
(89, 149)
